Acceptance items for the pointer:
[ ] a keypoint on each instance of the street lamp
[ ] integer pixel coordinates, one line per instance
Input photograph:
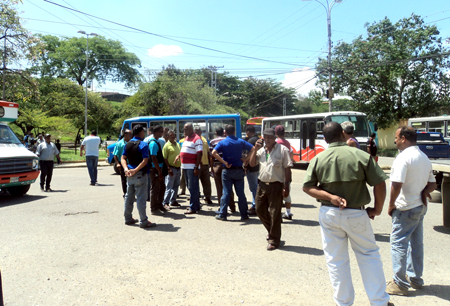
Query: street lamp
(87, 71)
(328, 8)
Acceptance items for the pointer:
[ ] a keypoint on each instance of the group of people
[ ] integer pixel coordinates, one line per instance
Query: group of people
(163, 164)
(31, 143)
(338, 179)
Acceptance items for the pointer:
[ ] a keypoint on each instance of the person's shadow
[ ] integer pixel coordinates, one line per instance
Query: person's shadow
(300, 249)
(440, 291)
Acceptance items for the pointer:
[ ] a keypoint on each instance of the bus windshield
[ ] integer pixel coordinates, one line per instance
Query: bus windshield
(7, 135)
(360, 123)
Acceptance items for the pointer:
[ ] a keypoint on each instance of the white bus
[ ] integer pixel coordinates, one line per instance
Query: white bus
(439, 124)
(304, 132)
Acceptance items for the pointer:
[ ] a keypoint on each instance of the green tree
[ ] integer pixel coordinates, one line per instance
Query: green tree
(108, 60)
(16, 45)
(397, 72)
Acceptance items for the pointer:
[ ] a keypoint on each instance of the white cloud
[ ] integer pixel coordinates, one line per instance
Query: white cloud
(164, 51)
(297, 79)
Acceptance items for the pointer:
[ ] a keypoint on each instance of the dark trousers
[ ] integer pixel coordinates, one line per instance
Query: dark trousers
(46, 173)
(123, 178)
(217, 170)
(269, 200)
(205, 179)
(157, 190)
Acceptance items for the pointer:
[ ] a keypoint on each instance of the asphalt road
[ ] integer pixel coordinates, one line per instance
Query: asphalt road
(71, 247)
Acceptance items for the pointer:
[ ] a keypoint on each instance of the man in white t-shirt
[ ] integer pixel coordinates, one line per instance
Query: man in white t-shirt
(91, 144)
(412, 181)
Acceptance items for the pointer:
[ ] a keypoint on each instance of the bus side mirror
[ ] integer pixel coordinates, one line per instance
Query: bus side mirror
(375, 127)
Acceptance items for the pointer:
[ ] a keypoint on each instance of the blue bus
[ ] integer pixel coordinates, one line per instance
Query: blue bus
(208, 124)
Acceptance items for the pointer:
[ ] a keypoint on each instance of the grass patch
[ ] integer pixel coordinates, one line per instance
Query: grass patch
(69, 155)
(387, 152)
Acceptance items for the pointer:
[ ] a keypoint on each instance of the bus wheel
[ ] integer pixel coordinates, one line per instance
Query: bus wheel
(18, 190)
(116, 169)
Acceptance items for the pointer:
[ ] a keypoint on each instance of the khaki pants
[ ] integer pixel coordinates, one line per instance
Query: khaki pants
(206, 181)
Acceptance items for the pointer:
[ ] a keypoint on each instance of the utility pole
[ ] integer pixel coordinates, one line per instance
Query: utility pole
(284, 106)
(4, 67)
(213, 70)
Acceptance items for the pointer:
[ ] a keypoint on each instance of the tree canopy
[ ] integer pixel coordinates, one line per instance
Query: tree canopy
(399, 71)
(108, 60)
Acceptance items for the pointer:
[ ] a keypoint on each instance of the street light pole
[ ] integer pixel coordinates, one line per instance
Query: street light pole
(328, 8)
(87, 76)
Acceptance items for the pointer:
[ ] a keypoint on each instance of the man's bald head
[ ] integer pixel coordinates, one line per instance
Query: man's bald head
(333, 132)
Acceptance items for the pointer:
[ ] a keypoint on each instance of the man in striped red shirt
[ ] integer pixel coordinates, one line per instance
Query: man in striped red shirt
(191, 159)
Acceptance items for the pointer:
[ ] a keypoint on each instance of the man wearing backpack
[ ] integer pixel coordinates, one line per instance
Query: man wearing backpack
(157, 173)
(134, 162)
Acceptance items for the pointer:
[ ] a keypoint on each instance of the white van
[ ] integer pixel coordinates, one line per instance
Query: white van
(19, 168)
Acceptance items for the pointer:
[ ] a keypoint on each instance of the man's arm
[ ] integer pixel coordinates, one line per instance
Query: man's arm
(81, 150)
(217, 156)
(429, 188)
(321, 194)
(379, 193)
(287, 180)
(198, 162)
(158, 168)
(395, 191)
(258, 145)
(351, 143)
(117, 162)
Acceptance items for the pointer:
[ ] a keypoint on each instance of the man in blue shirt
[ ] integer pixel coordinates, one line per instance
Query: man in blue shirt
(156, 173)
(233, 172)
(134, 162)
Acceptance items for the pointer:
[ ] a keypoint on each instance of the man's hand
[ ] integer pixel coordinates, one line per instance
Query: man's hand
(130, 172)
(391, 210)
(372, 212)
(227, 165)
(119, 166)
(160, 176)
(338, 201)
(285, 192)
(196, 171)
(177, 159)
(259, 144)
(425, 195)
(170, 172)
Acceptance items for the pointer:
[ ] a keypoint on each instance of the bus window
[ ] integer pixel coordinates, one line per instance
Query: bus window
(144, 124)
(213, 124)
(171, 125)
(195, 123)
(288, 128)
(419, 126)
(436, 126)
(126, 126)
(296, 133)
(312, 134)
(155, 123)
(304, 133)
(320, 125)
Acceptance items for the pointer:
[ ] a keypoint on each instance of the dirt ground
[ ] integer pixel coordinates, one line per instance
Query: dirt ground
(71, 247)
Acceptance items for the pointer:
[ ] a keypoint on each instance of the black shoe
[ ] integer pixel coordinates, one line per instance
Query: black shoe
(48, 189)
(157, 212)
(245, 218)
(287, 216)
(251, 211)
(131, 222)
(218, 217)
(209, 202)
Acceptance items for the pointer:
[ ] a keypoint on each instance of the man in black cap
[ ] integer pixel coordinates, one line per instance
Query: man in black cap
(47, 152)
(274, 179)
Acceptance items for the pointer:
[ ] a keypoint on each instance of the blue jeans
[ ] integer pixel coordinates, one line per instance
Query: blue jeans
(407, 245)
(91, 162)
(172, 184)
(194, 189)
(252, 180)
(232, 177)
(136, 186)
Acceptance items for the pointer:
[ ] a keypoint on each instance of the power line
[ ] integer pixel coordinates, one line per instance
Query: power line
(162, 36)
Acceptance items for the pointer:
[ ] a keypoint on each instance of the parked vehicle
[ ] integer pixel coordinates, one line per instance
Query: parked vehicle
(18, 166)
(433, 144)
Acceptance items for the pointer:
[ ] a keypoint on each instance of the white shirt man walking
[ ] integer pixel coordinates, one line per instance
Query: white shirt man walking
(91, 144)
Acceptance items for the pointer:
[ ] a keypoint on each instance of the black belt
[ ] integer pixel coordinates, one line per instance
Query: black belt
(271, 183)
(331, 205)
(234, 167)
(174, 167)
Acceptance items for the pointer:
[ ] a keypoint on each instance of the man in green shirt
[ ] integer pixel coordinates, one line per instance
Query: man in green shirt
(170, 152)
(338, 178)
(118, 151)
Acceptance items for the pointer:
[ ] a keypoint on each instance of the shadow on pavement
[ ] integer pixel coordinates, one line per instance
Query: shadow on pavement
(303, 205)
(442, 229)
(163, 228)
(103, 185)
(300, 249)
(383, 237)
(53, 191)
(302, 222)
(8, 200)
(440, 291)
